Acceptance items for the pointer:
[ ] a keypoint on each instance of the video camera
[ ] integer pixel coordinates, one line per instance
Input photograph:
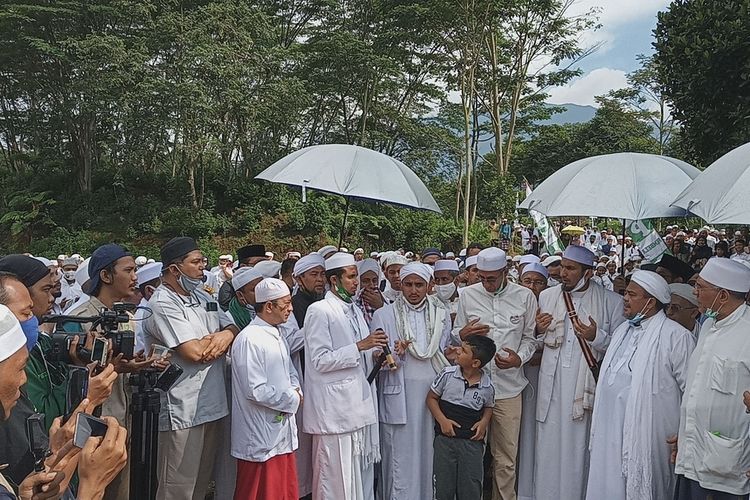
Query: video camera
(108, 320)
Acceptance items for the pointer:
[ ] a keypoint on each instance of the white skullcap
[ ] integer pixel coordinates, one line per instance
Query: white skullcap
(62, 256)
(225, 257)
(293, 254)
(654, 284)
(327, 249)
(82, 273)
(727, 274)
(359, 250)
(471, 261)
(339, 260)
(268, 268)
(462, 252)
(373, 255)
(601, 264)
(491, 259)
(270, 289)
(70, 261)
(446, 265)
(543, 256)
(393, 259)
(344, 249)
(76, 256)
(12, 338)
(551, 260)
(148, 272)
(269, 255)
(685, 291)
(516, 258)
(44, 261)
(535, 267)
(367, 265)
(150, 261)
(450, 255)
(422, 270)
(528, 259)
(141, 260)
(308, 262)
(579, 254)
(245, 275)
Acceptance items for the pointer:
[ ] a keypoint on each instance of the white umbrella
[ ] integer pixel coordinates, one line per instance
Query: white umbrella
(633, 186)
(353, 172)
(719, 195)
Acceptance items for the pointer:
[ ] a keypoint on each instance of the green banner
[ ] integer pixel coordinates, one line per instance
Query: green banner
(644, 235)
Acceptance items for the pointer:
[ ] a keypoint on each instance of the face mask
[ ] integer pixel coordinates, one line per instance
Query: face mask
(30, 329)
(710, 313)
(190, 284)
(445, 292)
(638, 318)
(341, 292)
(502, 286)
(70, 276)
(581, 283)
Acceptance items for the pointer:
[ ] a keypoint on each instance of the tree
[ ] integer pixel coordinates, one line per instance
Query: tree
(703, 66)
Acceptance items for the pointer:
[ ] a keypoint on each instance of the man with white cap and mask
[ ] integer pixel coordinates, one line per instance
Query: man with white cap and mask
(534, 277)
(683, 308)
(340, 410)
(712, 452)
(242, 305)
(369, 297)
(419, 329)
(266, 394)
(505, 312)
(148, 278)
(566, 385)
(638, 397)
(446, 272)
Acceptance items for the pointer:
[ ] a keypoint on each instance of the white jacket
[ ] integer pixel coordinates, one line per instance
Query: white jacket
(338, 398)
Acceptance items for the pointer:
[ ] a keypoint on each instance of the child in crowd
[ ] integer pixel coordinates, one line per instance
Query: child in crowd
(461, 400)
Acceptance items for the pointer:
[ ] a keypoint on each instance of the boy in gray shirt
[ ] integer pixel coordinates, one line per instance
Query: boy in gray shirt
(461, 399)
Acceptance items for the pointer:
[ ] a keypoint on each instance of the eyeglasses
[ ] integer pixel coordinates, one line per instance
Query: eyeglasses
(677, 308)
(533, 282)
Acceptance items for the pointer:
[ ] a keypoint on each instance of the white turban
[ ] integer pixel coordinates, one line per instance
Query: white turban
(727, 274)
(12, 338)
(685, 291)
(491, 259)
(323, 251)
(367, 265)
(308, 262)
(654, 284)
(579, 254)
(268, 268)
(394, 259)
(270, 289)
(422, 270)
(243, 276)
(535, 267)
(339, 260)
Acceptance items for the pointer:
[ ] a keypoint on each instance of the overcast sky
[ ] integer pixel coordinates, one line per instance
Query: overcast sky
(626, 32)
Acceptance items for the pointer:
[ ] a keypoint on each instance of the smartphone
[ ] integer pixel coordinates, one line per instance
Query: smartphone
(38, 440)
(78, 388)
(99, 351)
(158, 351)
(88, 426)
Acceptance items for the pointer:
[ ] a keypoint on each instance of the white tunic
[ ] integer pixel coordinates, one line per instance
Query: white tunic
(264, 394)
(562, 442)
(643, 376)
(406, 444)
(713, 444)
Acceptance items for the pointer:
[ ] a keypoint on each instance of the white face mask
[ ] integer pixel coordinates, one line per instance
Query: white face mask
(70, 276)
(445, 292)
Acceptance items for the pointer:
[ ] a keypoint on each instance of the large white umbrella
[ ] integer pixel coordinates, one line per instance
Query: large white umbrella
(353, 172)
(721, 193)
(633, 186)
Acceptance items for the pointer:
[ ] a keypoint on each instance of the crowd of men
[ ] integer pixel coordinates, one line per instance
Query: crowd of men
(335, 375)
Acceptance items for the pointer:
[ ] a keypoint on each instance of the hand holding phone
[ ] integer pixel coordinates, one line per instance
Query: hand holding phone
(88, 426)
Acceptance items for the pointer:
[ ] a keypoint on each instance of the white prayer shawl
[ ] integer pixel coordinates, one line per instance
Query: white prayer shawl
(664, 346)
(435, 317)
(593, 303)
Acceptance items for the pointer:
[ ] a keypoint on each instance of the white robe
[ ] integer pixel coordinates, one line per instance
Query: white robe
(527, 436)
(406, 446)
(637, 408)
(561, 451)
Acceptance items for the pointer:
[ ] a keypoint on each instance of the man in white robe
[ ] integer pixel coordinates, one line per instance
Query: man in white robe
(566, 386)
(340, 409)
(418, 328)
(638, 397)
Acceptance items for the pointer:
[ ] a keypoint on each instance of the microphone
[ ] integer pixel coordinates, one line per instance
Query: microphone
(389, 357)
(386, 356)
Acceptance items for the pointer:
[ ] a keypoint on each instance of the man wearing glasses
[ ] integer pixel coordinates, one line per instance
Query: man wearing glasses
(684, 307)
(505, 312)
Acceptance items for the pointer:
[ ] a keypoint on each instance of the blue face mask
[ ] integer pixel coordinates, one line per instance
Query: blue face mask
(638, 318)
(30, 329)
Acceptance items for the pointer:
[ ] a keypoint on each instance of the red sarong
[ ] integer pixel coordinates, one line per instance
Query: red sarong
(275, 479)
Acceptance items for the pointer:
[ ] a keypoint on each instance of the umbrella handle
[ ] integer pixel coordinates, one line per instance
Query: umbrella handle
(343, 223)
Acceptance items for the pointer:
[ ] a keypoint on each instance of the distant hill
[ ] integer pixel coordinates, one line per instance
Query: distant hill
(574, 113)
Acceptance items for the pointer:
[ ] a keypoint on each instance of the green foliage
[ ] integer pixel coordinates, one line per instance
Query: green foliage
(704, 68)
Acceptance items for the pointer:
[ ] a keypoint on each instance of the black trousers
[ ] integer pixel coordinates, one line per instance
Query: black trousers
(687, 489)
